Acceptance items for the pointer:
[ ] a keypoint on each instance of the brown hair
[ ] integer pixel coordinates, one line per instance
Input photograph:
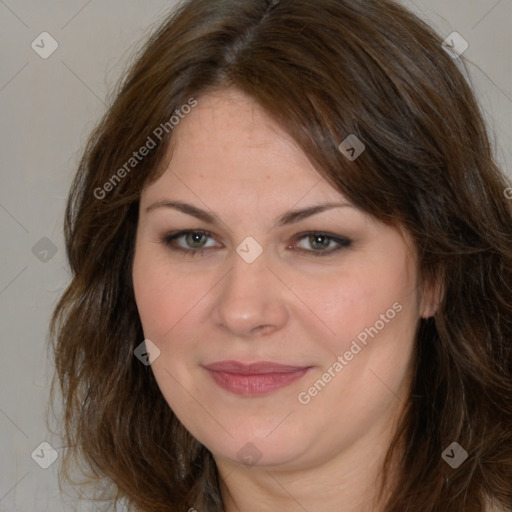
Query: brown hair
(323, 69)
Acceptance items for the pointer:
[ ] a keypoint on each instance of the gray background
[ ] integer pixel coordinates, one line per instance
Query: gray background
(48, 107)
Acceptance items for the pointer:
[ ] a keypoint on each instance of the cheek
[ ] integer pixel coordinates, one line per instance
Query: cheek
(367, 365)
(166, 309)
(165, 300)
(373, 310)
(170, 302)
(159, 302)
(370, 298)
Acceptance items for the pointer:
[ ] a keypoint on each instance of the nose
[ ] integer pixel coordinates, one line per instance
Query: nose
(251, 299)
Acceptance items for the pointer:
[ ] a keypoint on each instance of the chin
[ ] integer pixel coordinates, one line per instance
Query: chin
(249, 449)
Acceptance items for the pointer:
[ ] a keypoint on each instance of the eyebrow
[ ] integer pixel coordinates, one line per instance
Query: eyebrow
(288, 218)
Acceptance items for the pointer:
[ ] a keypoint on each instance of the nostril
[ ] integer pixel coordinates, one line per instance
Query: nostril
(263, 330)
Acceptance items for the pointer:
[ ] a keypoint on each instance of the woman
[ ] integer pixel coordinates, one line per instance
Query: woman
(292, 263)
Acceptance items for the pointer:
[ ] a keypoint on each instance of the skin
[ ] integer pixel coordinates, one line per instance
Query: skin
(231, 159)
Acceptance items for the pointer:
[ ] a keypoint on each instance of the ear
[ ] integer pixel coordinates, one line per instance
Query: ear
(430, 298)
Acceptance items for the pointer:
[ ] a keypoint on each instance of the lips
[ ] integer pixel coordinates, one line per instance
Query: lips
(253, 368)
(254, 378)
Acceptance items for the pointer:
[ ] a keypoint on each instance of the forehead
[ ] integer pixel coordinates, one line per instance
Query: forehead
(228, 142)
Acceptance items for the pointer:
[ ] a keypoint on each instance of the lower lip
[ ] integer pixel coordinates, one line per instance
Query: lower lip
(253, 385)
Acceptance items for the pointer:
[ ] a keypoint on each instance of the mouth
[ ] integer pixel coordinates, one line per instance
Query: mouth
(254, 379)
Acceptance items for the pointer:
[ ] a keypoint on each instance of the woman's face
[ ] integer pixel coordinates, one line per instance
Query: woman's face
(262, 285)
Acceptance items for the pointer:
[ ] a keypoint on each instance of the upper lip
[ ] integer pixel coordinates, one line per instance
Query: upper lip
(257, 368)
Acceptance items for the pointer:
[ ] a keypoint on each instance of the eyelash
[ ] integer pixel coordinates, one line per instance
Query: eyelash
(342, 242)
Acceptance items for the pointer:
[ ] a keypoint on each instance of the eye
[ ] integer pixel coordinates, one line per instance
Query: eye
(320, 243)
(323, 244)
(195, 239)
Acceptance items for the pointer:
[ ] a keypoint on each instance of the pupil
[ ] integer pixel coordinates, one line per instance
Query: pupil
(196, 237)
(318, 239)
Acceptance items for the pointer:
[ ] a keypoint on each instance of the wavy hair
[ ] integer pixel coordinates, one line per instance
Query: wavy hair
(323, 69)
